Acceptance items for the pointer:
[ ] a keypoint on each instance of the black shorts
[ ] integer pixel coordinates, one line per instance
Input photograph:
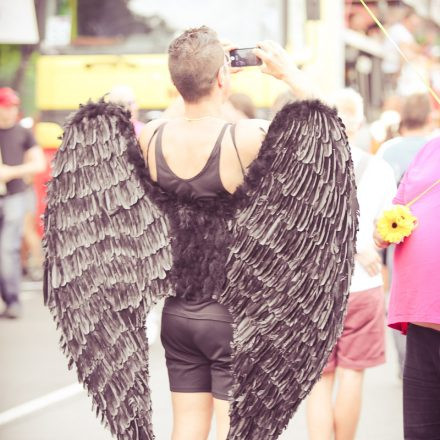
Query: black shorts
(198, 355)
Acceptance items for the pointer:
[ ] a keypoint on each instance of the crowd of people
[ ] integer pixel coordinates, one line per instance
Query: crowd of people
(405, 170)
(415, 35)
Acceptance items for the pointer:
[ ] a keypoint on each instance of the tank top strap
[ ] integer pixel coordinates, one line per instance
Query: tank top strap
(214, 158)
(150, 141)
(236, 149)
(161, 163)
(215, 154)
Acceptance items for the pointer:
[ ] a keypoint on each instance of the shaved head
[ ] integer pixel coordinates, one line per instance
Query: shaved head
(194, 59)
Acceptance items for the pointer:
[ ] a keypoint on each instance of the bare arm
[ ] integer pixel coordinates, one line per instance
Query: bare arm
(279, 64)
(249, 137)
(370, 260)
(34, 163)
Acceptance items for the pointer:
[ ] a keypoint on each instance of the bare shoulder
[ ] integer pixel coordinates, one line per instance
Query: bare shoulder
(250, 134)
(148, 132)
(145, 139)
(253, 124)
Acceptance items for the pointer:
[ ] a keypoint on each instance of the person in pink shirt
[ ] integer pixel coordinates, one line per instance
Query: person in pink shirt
(414, 305)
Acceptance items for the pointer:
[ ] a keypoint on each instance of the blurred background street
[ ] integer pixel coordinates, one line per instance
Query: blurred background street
(57, 54)
(33, 369)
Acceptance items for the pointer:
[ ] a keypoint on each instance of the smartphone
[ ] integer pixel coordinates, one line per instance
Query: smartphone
(244, 57)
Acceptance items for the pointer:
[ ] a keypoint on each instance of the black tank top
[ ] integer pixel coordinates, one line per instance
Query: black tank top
(206, 184)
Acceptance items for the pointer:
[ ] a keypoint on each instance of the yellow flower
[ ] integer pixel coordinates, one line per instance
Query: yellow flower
(396, 223)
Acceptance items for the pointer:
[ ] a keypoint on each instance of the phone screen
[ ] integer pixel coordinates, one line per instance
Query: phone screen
(244, 57)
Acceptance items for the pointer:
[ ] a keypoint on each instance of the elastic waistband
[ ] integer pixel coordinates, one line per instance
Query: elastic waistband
(211, 310)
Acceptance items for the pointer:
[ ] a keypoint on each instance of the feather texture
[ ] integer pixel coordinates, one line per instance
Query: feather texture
(292, 259)
(107, 255)
(278, 254)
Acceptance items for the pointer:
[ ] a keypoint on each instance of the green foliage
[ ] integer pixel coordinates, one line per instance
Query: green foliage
(28, 89)
(64, 7)
(10, 57)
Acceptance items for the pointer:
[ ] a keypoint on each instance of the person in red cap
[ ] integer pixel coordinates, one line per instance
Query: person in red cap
(20, 158)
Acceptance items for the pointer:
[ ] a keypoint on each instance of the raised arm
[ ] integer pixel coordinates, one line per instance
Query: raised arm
(278, 63)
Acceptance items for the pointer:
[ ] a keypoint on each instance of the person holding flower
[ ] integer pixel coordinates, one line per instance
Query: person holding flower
(414, 307)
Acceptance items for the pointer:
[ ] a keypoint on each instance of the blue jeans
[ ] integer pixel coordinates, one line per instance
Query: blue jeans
(12, 212)
(421, 384)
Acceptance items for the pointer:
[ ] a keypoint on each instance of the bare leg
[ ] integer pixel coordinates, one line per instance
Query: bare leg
(221, 410)
(320, 421)
(348, 403)
(192, 414)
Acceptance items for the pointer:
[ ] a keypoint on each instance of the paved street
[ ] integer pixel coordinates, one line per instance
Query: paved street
(40, 401)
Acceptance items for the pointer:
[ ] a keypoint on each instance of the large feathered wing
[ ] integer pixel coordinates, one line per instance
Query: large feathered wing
(289, 267)
(278, 254)
(107, 255)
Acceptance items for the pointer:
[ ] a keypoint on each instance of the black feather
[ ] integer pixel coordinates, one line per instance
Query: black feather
(278, 253)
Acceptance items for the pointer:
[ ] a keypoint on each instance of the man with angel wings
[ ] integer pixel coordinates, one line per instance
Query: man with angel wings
(248, 230)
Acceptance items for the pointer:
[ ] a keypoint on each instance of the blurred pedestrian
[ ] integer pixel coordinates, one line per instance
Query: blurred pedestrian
(414, 307)
(362, 343)
(243, 106)
(402, 33)
(280, 101)
(32, 252)
(386, 127)
(415, 129)
(123, 94)
(237, 106)
(21, 158)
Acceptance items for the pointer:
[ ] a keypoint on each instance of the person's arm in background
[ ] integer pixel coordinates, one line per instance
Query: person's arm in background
(34, 162)
(370, 260)
(382, 188)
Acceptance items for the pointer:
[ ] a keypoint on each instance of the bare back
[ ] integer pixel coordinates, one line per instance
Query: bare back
(187, 146)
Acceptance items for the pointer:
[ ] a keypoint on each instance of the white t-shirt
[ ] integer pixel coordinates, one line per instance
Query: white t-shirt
(375, 193)
(400, 35)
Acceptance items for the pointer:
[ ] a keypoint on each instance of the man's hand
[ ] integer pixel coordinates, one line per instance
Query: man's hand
(279, 63)
(378, 240)
(370, 260)
(227, 47)
(6, 173)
